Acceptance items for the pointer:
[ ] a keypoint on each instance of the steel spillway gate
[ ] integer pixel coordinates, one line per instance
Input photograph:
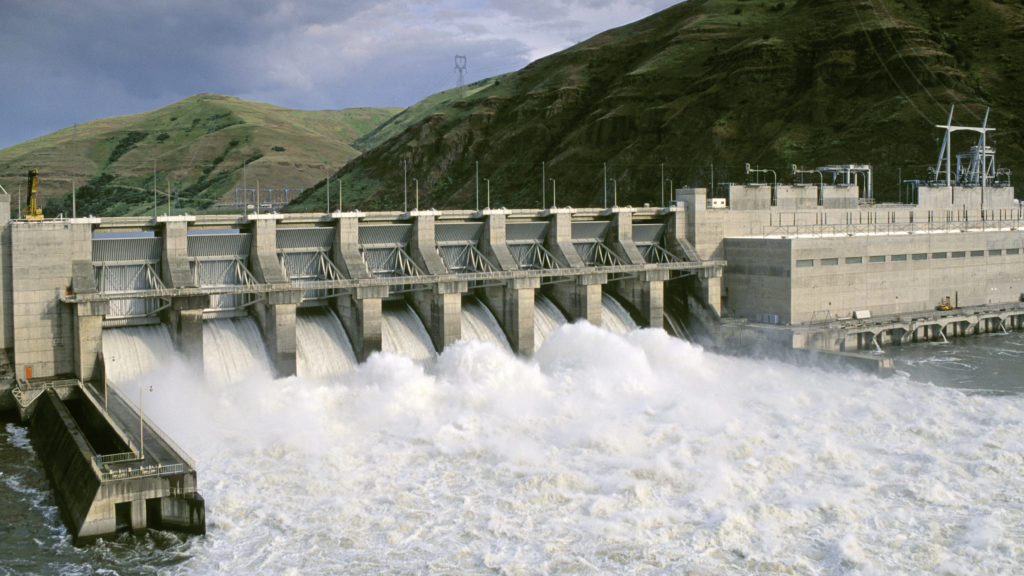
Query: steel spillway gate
(219, 261)
(649, 240)
(457, 245)
(123, 266)
(589, 240)
(525, 240)
(384, 248)
(305, 256)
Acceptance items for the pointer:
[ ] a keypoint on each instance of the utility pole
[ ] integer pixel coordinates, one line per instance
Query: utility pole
(662, 184)
(543, 185)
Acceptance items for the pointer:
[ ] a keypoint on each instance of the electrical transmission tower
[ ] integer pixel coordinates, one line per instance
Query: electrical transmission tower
(460, 67)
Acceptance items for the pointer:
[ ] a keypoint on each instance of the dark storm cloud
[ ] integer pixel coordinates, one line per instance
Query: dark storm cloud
(74, 61)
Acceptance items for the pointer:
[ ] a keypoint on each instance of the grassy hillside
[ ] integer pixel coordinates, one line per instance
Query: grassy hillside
(197, 148)
(714, 82)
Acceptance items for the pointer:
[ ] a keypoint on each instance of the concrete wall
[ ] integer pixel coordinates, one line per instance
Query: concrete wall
(756, 283)
(807, 278)
(41, 267)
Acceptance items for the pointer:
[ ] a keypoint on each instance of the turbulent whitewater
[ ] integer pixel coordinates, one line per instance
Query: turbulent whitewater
(603, 453)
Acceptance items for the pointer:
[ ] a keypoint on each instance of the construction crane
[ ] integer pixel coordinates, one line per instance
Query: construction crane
(34, 213)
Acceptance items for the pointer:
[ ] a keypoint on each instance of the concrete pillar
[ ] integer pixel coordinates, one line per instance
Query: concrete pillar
(646, 294)
(581, 299)
(186, 323)
(278, 325)
(620, 237)
(185, 316)
(423, 244)
(710, 288)
(360, 314)
(346, 255)
(174, 267)
(512, 304)
(88, 327)
(559, 238)
(87, 318)
(276, 314)
(441, 311)
(493, 243)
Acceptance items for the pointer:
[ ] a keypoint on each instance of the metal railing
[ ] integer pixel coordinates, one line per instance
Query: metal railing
(890, 228)
(143, 472)
(109, 459)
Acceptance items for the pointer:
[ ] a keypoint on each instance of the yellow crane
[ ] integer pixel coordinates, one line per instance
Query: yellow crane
(34, 213)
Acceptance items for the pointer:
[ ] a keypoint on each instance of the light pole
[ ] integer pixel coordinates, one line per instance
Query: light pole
(554, 201)
(488, 182)
(775, 179)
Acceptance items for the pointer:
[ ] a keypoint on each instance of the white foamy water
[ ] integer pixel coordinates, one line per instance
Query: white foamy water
(131, 352)
(604, 453)
(614, 316)
(479, 324)
(546, 318)
(233, 350)
(323, 349)
(402, 332)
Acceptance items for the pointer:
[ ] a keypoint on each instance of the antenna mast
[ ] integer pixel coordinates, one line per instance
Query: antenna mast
(460, 67)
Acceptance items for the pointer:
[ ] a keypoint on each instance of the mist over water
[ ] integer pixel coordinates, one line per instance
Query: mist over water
(603, 453)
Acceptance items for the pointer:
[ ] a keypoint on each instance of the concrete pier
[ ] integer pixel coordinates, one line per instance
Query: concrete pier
(108, 475)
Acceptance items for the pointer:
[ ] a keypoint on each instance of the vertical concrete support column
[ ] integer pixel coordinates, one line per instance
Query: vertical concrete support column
(277, 313)
(581, 299)
(360, 314)
(441, 312)
(493, 242)
(513, 305)
(647, 295)
(423, 244)
(559, 238)
(360, 311)
(710, 287)
(621, 236)
(88, 324)
(185, 316)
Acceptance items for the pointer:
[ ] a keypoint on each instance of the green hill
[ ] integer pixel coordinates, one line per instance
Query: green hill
(197, 148)
(713, 82)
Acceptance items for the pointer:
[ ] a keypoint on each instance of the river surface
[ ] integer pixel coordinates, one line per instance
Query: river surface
(604, 453)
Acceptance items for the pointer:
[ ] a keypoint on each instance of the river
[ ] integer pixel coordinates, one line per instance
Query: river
(604, 453)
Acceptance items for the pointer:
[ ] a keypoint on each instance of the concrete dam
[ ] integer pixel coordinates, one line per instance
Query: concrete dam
(89, 304)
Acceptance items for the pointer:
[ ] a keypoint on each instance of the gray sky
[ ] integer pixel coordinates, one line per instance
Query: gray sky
(68, 61)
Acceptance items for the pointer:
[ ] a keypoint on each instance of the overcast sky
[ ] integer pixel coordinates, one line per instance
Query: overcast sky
(71, 61)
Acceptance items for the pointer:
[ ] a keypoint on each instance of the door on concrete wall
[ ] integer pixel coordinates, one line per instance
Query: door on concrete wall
(123, 516)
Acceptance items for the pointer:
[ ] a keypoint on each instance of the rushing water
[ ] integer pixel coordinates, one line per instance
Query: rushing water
(403, 333)
(479, 324)
(323, 349)
(601, 454)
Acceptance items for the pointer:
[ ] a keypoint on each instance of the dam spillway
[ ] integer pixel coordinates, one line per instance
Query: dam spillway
(405, 282)
(193, 274)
